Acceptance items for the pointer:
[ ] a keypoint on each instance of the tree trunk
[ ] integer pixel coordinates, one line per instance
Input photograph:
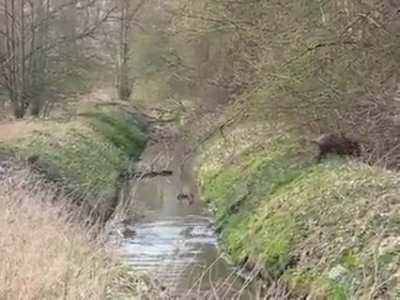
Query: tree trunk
(124, 85)
(39, 60)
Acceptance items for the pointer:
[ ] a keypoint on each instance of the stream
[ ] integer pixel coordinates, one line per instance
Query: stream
(174, 241)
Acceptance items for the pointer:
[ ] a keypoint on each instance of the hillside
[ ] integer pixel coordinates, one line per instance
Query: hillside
(327, 230)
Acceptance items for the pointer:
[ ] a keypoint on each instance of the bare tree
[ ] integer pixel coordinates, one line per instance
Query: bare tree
(319, 65)
(36, 39)
(127, 13)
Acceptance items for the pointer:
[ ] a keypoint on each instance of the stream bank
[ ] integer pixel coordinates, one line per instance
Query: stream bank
(173, 240)
(327, 230)
(83, 157)
(58, 183)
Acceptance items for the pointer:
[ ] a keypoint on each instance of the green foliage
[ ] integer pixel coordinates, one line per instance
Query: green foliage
(335, 292)
(119, 130)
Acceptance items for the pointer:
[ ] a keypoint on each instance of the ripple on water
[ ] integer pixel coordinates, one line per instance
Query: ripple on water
(171, 248)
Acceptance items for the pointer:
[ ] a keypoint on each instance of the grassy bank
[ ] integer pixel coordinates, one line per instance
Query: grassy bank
(46, 252)
(329, 230)
(83, 157)
(49, 178)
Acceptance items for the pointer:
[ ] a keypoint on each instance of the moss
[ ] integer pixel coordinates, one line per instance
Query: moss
(220, 189)
(119, 130)
(336, 292)
(303, 221)
(351, 259)
(300, 280)
(85, 157)
(275, 242)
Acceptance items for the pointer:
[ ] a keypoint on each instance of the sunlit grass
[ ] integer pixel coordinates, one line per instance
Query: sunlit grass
(329, 228)
(84, 156)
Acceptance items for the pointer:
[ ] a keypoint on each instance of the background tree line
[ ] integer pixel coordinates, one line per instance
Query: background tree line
(50, 48)
(41, 48)
(316, 65)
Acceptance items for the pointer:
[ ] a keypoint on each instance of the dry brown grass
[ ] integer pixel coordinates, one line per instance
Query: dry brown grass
(13, 130)
(44, 253)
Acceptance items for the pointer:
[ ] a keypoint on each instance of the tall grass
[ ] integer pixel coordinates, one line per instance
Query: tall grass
(46, 252)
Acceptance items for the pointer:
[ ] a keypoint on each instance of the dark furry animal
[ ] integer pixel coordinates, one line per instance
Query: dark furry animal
(336, 144)
(188, 198)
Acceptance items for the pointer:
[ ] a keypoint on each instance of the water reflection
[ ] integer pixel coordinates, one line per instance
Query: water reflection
(176, 243)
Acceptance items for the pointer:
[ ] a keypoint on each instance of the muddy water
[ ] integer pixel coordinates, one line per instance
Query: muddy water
(175, 242)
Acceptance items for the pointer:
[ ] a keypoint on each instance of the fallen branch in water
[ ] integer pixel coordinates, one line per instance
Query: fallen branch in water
(152, 174)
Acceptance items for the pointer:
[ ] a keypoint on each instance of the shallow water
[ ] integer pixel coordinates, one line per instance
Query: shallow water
(175, 242)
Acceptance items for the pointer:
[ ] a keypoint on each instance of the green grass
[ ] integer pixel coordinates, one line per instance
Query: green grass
(303, 221)
(85, 156)
(123, 131)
